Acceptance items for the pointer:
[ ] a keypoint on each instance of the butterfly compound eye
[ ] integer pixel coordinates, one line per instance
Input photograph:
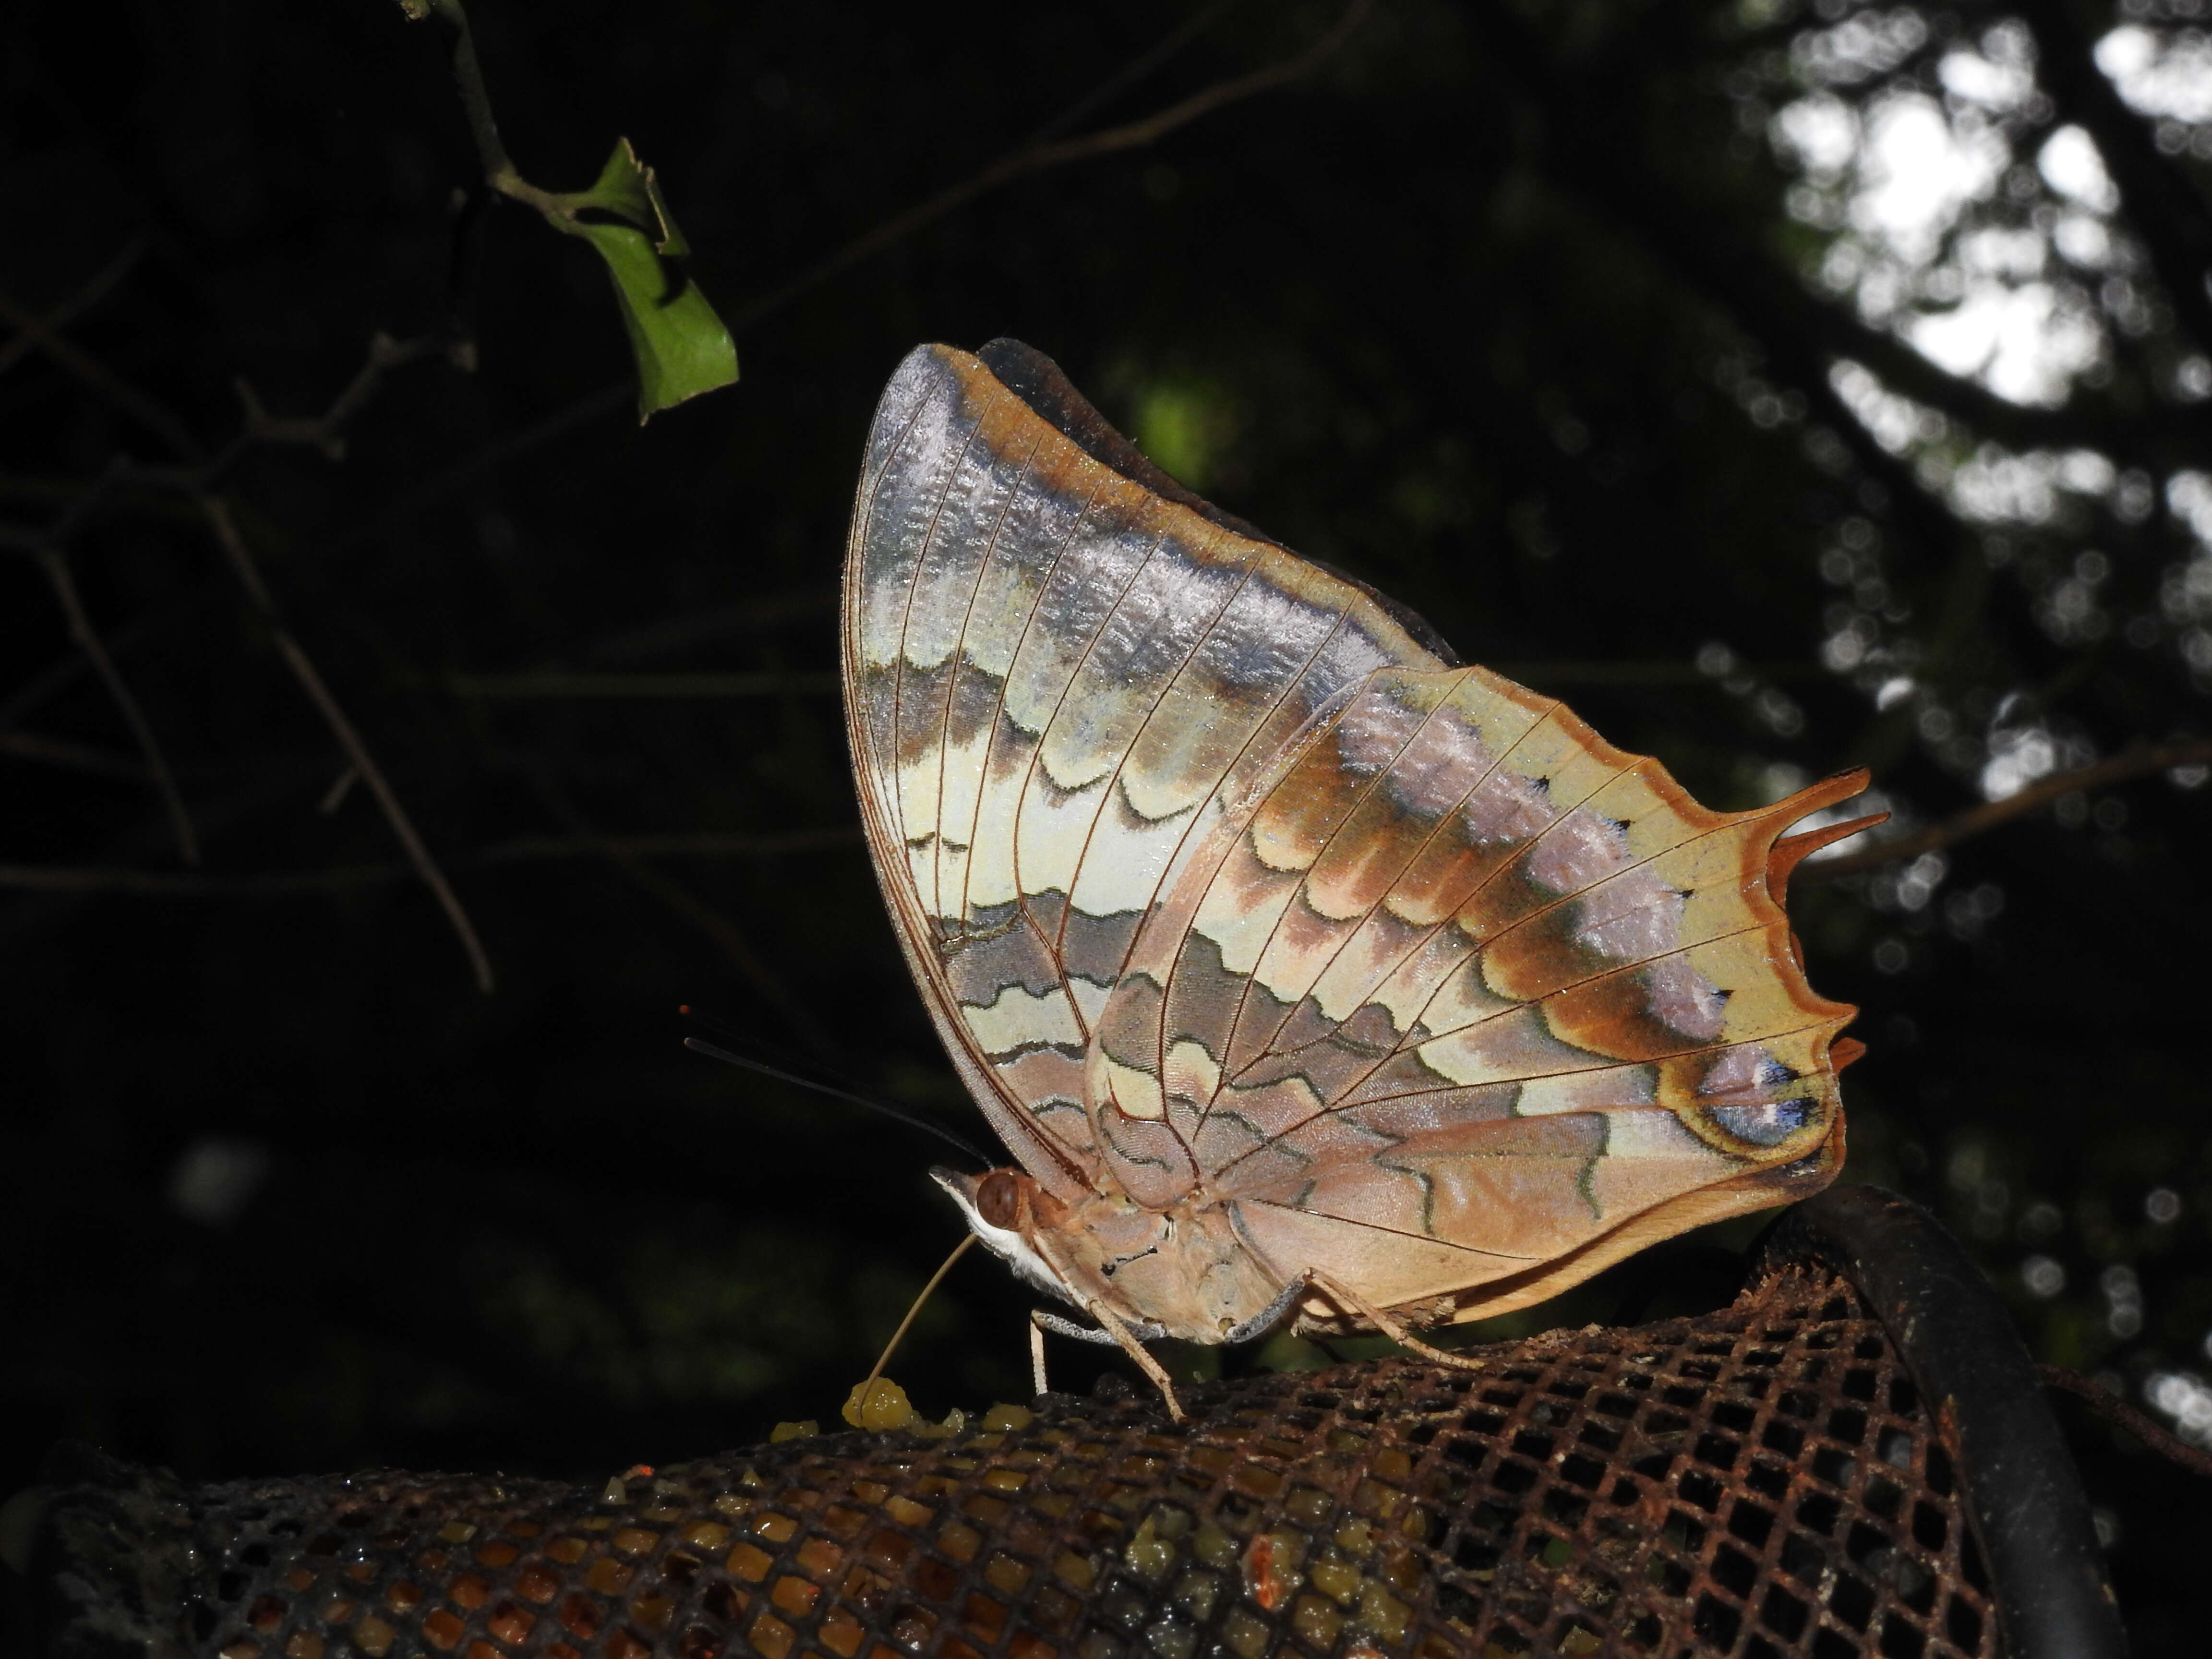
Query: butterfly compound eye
(998, 1198)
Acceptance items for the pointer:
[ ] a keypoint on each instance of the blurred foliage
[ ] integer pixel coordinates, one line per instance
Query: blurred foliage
(1785, 386)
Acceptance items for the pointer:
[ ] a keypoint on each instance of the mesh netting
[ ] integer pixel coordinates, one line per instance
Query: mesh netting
(1759, 1481)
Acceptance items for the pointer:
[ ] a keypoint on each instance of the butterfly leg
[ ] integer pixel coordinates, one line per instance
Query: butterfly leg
(1038, 1386)
(1110, 1330)
(1041, 1321)
(1350, 1301)
(1150, 1367)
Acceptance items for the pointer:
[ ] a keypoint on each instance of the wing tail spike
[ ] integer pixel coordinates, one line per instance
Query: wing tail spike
(1791, 851)
(1843, 1051)
(1788, 852)
(1837, 787)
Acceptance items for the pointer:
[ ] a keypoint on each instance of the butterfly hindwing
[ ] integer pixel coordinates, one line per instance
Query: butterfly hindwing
(1461, 972)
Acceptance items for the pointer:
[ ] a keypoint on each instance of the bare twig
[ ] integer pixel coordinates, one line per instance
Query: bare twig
(681, 843)
(1036, 156)
(217, 513)
(326, 431)
(525, 849)
(73, 308)
(499, 169)
(1201, 19)
(2135, 763)
(757, 613)
(76, 756)
(193, 481)
(101, 380)
(52, 681)
(87, 640)
(557, 685)
(2145, 1427)
(1157, 125)
(162, 884)
(341, 787)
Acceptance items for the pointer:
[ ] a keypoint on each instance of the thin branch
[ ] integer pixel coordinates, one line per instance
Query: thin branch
(101, 380)
(1035, 157)
(74, 757)
(34, 693)
(341, 787)
(1975, 820)
(160, 883)
(200, 472)
(499, 169)
(217, 511)
(2145, 1427)
(418, 854)
(326, 431)
(555, 685)
(73, 308)
(527, 849)
(756, 614)
(1134, 134)
(1200, 19)
(87, 640)
(672, 844)
(193, 481)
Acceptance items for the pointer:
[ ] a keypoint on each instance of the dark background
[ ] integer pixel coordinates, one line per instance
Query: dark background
(1525, 315)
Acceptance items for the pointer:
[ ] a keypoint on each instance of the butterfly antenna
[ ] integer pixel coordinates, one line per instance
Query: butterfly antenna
(867, 1388)
(911, 1119)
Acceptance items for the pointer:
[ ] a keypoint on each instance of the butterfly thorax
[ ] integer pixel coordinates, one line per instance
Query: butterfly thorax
(1182, 1272)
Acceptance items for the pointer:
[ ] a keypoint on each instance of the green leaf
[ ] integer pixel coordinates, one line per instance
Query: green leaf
(681, 346)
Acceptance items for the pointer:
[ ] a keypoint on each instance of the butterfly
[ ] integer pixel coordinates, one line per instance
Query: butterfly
(1309, 975)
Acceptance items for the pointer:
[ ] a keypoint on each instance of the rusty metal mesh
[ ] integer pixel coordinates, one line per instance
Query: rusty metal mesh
(1759, 1481)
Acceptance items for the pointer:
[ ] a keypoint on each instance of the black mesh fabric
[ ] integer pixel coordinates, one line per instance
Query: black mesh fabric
(1759, 1481)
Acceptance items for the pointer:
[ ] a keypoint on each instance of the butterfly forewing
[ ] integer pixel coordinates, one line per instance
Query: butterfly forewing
(1225, 888)
(1054, 676)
